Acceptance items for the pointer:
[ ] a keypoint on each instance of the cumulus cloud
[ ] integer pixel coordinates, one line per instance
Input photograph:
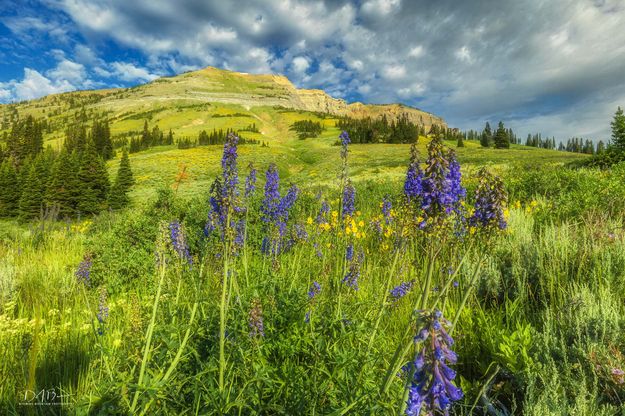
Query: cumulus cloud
(536, 64)
(34, 85)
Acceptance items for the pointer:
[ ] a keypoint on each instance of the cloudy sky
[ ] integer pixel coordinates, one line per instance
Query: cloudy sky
(550, 66)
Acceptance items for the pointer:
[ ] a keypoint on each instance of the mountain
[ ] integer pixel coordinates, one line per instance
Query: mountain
(213, 85)
(217, 85)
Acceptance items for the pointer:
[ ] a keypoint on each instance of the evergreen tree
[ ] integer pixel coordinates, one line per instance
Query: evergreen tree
(618, 130)
(123, 182)
(63, 188)
(94, 182)
(460, 141)
(145, 136)
(31, 200)
(101, 135)
(486, 137)
(600, 147)
(501, 137)
(10, 194)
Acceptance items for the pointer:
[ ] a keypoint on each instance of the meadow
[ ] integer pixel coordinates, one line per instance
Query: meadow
(333, 291)
(333, 285)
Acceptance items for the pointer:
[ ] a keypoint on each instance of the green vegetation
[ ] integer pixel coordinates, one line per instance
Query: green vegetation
(176, 303)
(307, 128)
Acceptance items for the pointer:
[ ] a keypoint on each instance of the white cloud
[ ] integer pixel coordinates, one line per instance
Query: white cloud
(380, 7)
(466, 61)
(394, 72)
(35, 85)
(130, 73)
(67, 70)
(300, 64)
(416, 51)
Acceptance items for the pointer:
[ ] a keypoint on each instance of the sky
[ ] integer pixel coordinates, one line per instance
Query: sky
(551, 66)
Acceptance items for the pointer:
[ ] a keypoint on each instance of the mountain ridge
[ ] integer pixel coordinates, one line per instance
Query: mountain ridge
(212, 84)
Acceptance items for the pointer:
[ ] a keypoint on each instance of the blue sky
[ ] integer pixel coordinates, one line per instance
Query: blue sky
(556, 67)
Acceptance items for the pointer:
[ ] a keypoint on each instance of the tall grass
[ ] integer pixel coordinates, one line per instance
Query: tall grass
(539, 330)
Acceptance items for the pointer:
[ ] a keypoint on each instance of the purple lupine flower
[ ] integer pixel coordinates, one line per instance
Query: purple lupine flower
(387, 205)
(103, 311)
(300, 232)
(454, 177)
(318, 250)
(255, 319)
(345, 141)
(323, 213)
(349, 252)
(250, 182)
(178, 241)
(435, 197)
(315, 289)
(432, 387)
(401, 290)
(224, 200)
(490, 199)
(271, 202)
(287, 202)
(413, 186)
(276, 212)
(349, 196)
(353, 271)
(230, 173)
(83, 272)
(239, 232)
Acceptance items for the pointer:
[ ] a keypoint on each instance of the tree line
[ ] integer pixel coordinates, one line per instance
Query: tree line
(306, 129)
(381, 130)
(74, 181)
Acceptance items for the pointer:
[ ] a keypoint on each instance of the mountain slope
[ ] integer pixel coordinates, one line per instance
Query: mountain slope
(220, 86)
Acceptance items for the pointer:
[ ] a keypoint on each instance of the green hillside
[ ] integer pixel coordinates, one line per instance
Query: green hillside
(216, 99)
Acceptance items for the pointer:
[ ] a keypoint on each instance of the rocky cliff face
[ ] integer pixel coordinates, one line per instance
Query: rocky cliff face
(218, 85)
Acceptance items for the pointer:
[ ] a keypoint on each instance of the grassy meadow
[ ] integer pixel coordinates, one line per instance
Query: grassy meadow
(143, 312)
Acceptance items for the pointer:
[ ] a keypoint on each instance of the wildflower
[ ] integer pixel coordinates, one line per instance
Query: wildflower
(225, 192)
(386, 209)
(103, 311)
(401, 290)
(83, 272)
(353, 272)
(250, 181)
(414, 177)
(315, 289)
(431, 386)
(490, 198)
(349, 195)
(256, 319)
(618, 375)
(276, 211)
(271, 201)
(230, 173)
(323, 213)
(178, 241)
(345, 141)
(349, 252)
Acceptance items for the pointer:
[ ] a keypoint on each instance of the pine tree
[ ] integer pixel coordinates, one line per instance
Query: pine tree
(460, 141)
(600, 147)
(10, 194)
(63, 188)
(94, 182)
(31, 200)
(618, 131)
(486, 137)
(501, 137)
(123, 182)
